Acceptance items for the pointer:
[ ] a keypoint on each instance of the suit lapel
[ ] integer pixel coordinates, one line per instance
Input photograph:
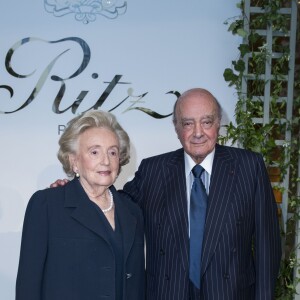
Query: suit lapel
(221, 189)
(220, 194)
(176, 204)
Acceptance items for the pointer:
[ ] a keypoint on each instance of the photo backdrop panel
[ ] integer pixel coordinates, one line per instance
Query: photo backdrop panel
(129, 58)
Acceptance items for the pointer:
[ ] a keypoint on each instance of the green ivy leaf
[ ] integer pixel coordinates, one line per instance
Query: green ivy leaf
(229, 76)
(244, 49)
(233, 26)
(241, 32)
(239, 65)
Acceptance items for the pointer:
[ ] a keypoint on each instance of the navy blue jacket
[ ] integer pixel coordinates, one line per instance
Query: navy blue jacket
(65, 251)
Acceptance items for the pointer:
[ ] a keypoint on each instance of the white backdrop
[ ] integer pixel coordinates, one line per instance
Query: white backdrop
(155, 47)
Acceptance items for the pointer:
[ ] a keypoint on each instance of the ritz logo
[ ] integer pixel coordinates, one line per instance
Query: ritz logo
(133, 100)
(86, 11)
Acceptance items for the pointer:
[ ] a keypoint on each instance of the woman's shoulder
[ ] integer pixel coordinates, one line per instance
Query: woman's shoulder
(43, 196)
(49, 191)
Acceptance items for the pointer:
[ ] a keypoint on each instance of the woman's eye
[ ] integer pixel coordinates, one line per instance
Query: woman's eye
(114, 153)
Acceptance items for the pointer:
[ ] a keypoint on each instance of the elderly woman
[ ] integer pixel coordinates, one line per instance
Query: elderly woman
(84, 240)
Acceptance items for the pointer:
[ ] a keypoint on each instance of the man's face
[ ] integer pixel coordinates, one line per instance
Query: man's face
(197, 124)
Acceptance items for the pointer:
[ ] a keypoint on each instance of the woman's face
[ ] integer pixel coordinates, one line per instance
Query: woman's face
(97, 158)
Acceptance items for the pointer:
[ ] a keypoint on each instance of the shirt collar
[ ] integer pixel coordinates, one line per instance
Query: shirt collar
(206, 163)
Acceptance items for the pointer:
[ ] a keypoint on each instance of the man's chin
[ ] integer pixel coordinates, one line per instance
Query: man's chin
(198, 157)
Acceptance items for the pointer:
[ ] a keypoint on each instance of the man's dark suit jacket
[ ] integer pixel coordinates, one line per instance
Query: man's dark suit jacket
(66, 253)
(241, 220)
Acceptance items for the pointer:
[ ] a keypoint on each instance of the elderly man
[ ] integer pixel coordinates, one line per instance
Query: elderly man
(241, 249)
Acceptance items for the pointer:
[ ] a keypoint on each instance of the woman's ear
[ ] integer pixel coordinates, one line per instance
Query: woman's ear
(73, 162)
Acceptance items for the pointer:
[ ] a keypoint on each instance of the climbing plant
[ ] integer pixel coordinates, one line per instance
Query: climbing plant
(262, 123)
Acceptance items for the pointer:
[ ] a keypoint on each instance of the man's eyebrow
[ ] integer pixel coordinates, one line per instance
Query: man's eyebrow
(208, 116)
(182, 120)
(201, 118)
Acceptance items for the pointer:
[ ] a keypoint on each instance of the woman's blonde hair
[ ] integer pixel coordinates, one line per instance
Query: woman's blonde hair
(90, 119)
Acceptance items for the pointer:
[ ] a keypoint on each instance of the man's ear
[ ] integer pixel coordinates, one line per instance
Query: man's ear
(176, 130)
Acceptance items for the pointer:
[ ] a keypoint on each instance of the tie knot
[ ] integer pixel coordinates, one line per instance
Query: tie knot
(197, 171)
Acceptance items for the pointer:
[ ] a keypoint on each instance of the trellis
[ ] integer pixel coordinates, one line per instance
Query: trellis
(268, 34)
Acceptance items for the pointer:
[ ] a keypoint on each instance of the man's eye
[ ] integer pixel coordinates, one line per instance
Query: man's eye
(207, 124)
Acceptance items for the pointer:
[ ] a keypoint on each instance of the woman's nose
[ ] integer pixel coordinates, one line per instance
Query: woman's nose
(105, 159)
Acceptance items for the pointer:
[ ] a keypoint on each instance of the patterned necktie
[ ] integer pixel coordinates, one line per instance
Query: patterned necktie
(198, 205)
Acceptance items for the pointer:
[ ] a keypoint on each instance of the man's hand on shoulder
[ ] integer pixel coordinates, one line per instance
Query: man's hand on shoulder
(59, 182)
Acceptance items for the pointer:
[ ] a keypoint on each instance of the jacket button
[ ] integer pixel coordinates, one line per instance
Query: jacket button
(226, 276)
(167, 277)
(128, 275)
(162, 252)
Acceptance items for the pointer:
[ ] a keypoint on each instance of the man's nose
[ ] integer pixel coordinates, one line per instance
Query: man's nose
(198, 130)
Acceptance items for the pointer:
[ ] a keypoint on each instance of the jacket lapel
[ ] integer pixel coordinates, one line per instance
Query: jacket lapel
(221, 187)
(88, 216)
(83, 211)
(176, 204)
(127, 222)
(220, 194)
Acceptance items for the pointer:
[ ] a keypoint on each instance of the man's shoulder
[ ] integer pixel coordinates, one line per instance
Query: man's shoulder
(236, 152)
(167, 156)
